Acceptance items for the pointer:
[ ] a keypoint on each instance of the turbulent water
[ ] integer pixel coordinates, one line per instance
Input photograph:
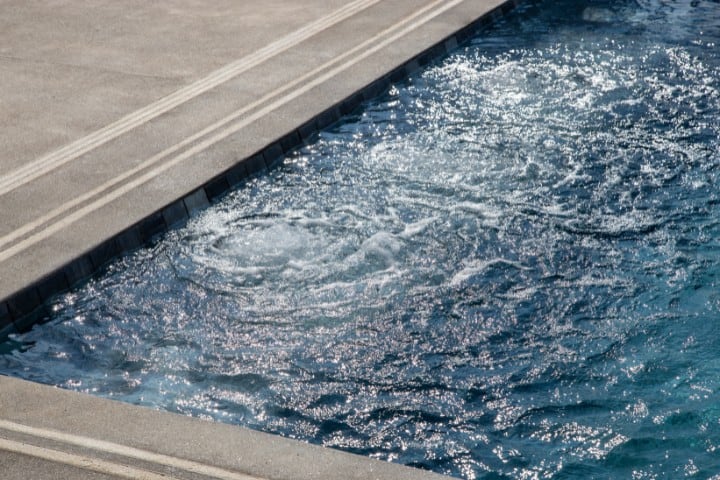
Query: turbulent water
(506, 267)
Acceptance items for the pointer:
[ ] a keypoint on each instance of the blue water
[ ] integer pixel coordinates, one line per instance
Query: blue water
(506, 267)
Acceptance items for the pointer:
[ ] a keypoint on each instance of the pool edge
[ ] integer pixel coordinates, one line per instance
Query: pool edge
(28, 305)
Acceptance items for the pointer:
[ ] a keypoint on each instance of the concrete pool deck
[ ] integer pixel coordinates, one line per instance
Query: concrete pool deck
(118, 121)
(51, 433)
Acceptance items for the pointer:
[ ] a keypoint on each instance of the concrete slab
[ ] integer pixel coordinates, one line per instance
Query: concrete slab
(61, 434)
(120, 119)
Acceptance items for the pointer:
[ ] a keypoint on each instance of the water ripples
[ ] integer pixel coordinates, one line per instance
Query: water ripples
(505, 268)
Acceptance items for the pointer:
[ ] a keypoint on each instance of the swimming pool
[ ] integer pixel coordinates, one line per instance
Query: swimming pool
(506, 267)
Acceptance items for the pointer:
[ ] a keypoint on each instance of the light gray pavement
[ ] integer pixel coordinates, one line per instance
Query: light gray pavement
(48, 433)
(119, 119)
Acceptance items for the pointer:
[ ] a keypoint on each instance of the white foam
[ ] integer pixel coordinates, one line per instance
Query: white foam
(416, 228)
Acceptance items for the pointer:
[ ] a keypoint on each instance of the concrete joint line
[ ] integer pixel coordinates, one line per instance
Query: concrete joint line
(56, 159)
(103, 466)
(80, 461)
(115, 188)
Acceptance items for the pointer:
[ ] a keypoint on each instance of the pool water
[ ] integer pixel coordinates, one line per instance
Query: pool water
(506, 267)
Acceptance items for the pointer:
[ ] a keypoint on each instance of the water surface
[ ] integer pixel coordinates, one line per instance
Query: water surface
(506, 267)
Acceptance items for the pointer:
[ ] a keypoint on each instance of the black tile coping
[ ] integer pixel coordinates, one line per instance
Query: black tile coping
(29, 306)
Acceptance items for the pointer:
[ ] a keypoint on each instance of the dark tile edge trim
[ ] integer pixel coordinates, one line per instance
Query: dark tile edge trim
(29, 306)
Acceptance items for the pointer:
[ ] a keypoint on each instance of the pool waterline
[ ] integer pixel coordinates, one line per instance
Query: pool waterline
(474, 275)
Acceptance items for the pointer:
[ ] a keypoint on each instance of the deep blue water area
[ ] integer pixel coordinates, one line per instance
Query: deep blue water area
(506, 267)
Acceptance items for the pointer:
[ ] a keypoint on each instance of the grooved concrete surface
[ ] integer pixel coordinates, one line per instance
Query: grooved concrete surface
(111, 112)
(50, 433)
